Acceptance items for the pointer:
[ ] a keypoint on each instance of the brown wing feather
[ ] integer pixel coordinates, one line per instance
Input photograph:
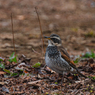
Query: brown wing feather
(70, 62)
(65, 55)
(62, 49)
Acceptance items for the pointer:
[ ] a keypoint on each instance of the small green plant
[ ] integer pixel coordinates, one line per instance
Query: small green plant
(86, 88)
(13, 58)
(75, 74)
(13, 74)
(91, 91)
(56, 94)
(89, 77)
(56, 82)
(92, 87)
(46, 93)
(10, 73)
(69, 83)
(93, 78)
(37, 65)
(77, 60)
(75, 29)
(7, 71)
(1, 59)
(89, 55)
(90, 34)
(2, 66)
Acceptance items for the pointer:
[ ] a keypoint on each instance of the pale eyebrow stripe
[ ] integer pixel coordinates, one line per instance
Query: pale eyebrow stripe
(56, 38)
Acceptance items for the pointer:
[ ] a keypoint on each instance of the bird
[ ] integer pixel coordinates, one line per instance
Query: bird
(57, 58)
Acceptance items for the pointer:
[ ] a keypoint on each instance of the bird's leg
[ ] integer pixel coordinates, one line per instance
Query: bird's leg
(65, 76)
(59, 75)
(57, 78)
(62, 78)
(68, 79)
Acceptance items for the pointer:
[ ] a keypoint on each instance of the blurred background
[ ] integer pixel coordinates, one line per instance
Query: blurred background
(72, 20)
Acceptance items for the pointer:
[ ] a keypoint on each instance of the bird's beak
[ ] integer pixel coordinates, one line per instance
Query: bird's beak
(47, 37)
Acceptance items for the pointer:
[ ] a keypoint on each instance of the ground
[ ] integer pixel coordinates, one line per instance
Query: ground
(73, 21)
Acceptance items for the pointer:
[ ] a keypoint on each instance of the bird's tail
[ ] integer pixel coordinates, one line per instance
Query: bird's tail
(81, 74)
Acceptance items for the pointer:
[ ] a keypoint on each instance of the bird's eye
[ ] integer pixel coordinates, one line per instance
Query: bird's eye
(55, 40)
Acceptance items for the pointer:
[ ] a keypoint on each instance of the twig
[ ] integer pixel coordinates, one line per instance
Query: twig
(36, 52)
(75, 91)
(40, 30)
(13, 33)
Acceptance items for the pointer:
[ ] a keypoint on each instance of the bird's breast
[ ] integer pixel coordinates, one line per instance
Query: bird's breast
(54, 60)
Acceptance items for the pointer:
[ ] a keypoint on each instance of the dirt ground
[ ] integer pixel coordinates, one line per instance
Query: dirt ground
(72, 20)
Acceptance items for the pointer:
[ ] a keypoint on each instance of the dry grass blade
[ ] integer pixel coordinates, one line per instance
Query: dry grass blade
(13, 33)
(36, 52)
(43, 50)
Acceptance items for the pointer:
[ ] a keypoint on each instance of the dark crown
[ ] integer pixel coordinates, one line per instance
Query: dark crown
(54, 35)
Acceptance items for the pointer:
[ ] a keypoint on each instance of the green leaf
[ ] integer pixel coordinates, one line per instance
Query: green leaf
(37, 65)
(75, 74)
(13, 58)
(11, 74)
(2, 65)
(92, 54)
(23, 73)
(89, 54)
(92, 87)
(8, 71)
(12, 55)
(14, 74)
(77, 60)
(1, 59)
(46, 93)
(86, 88)
(69, 83)
(93, 78)
(56, 94)
(56, 82)
(91, 91)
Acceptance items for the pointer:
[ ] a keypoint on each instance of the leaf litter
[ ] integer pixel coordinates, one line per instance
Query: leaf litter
(19, 77)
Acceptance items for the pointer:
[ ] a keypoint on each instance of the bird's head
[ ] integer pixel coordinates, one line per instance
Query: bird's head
(53, 40)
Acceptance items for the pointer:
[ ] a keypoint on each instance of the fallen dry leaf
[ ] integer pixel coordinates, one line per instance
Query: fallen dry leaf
(2, 73)
(34, 83)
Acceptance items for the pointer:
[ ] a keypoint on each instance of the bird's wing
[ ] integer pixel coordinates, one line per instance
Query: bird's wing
(66, 56)
(62, 49)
